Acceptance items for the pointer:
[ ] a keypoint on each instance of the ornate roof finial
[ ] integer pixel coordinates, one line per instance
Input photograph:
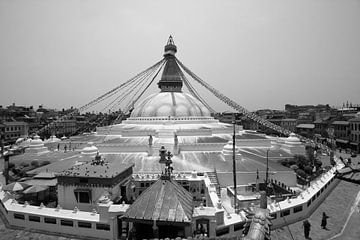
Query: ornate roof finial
(165, 158)
(162, 154)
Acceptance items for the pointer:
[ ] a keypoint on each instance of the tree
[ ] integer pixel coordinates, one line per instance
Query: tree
(35, 163)
(301, 161)
(301, 173)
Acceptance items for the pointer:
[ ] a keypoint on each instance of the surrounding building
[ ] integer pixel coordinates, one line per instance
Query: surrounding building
(85, 186)
(341, 133)
(355, 133)
(14, 130)
(306, 129)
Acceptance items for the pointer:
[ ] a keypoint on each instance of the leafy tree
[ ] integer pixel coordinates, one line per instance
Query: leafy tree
(43, 163)
(301, 161)
(24, 164)
(35, 163)
(301, 173)
(11, 165)
(308, 169)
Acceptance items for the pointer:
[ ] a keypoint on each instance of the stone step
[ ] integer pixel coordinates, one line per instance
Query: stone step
(214, 180)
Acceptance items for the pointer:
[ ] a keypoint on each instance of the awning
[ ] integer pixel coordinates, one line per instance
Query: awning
(306, 126)
(35, 189)
(342, 141)
(42, 182)
(354, 143)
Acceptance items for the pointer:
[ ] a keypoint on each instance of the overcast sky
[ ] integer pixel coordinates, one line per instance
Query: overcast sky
(262, 54)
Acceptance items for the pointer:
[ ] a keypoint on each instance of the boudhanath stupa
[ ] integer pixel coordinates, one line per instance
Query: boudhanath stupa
(185, 127)
(170, 170)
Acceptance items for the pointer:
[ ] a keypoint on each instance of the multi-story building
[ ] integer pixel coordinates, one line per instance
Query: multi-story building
(15, 130)
(65, 127)
(305, 129)
(289, 124)
(16, 112)
(355, 133)
(321, 128)
(341, 133)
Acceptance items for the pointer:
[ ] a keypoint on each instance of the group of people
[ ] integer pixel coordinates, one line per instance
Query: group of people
(307, 225)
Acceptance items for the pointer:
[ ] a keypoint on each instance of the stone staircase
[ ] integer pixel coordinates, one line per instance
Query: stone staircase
(166, 139)
(214, 180)
(165, 133)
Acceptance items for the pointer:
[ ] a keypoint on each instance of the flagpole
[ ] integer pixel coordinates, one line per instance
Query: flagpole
(234, 166)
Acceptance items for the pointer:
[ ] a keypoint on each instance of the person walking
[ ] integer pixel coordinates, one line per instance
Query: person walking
(324, 220)
(307, 227)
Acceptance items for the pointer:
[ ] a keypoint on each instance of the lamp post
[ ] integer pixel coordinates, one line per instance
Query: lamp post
(234, 165)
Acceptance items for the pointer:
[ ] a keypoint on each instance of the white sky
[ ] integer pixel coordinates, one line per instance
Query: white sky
(260, 53)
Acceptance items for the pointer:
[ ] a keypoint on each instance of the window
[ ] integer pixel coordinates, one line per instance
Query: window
(105, 227)
(298, 209)
(83, 196)
(142, 184)
(273, 215)
(50, 220)
(67, 223)
(19, 216)
(285, 213)
(84, 224)
(222, 231)
(318, 194)
(34, 218)
(309, 202)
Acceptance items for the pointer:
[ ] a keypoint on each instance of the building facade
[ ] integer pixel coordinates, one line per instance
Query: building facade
(14, 130)
(355, 133)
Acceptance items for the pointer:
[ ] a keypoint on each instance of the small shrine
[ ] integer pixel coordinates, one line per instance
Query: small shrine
(36, 146)
(165, 209)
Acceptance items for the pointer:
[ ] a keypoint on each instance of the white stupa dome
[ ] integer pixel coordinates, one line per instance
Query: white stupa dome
(36, 142)
(293, 138)
(228, 149)
(173, 104)
(36, 146)
(52, 139)
(90, 149)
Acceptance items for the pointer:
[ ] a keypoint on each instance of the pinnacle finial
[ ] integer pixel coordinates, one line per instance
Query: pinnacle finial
(170, 48)
(170, 41)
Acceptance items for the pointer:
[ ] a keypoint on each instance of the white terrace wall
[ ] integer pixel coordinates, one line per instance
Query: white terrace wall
(207, 147)
(59, 221)
(253, 143)
(122, 148)
(301, 207)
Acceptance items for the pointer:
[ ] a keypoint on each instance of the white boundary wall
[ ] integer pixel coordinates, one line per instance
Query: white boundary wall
(56, 220)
